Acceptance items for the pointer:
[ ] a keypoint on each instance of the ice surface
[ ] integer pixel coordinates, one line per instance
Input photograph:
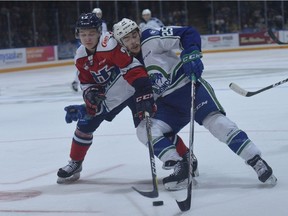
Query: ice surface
(35, 143)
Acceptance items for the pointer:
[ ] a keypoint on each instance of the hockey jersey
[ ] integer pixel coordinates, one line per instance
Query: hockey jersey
(112, 68)
(159, 54)
(153, 23)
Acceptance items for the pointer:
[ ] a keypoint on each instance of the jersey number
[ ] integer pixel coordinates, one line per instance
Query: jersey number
(166, 31)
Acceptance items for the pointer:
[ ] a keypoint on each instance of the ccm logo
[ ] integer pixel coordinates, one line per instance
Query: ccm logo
(144, 97)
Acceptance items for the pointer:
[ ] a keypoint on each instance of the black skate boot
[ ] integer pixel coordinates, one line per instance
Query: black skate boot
(263, 170)
(69, 173)
(170, 164)
(74, 85)
(195, 172)
(179, 179)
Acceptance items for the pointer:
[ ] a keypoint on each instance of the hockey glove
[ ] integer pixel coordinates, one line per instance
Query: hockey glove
(192, 64)
(93, 96)
(144, 98)
(75, 112)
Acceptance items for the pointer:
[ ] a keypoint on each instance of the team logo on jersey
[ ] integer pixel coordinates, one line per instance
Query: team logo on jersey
(153, 32)
(159, 82)
(156, 78)
(105, 40)
(103, 75)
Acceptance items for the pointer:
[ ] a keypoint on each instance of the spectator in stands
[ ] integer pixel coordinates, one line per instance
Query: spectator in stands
(99, 14)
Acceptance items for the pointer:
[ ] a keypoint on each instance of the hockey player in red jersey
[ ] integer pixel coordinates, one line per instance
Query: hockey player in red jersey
(111, 80)
(171, 76)
(76, 83)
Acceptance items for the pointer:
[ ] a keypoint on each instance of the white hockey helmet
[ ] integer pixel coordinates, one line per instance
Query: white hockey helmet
(146, 12)
(98, 12)
(124, 27)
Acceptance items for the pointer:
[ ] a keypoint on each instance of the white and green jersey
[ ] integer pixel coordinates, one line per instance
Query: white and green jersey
(160, 53)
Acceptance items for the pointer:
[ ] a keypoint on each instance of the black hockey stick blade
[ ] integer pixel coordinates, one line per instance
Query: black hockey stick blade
(274, 38)
(186, 204)
(150, 194)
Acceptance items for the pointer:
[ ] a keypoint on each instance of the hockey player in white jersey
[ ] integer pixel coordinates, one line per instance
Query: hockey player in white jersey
(99, 14)
(149, 21)
(170, 75)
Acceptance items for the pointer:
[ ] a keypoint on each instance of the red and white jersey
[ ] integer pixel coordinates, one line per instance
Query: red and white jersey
(111, 67)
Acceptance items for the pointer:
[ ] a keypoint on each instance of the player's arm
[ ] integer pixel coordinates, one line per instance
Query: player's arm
(136, 75)
(189, 37)
(191, 55)
(93, 94)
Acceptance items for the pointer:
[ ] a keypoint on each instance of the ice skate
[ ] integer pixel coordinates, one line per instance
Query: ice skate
(179, 178)
(69, 173)
(170, 164)
(195, 172)
(263, 170)
(74, 85)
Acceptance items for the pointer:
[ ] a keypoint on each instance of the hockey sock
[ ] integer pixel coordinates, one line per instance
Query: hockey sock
(77, 151)
(165, 150)
(228, 132)
(181, 148)
(80, 145)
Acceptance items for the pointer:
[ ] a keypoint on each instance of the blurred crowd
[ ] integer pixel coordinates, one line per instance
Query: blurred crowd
(248, 17)
(42, 23)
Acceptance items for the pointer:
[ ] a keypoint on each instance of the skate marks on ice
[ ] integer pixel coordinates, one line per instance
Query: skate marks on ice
(18, 195)
(88, 183)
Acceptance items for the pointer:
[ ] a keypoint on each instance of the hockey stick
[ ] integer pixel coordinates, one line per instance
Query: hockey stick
(245, 93)
(154, 193)
(186, 204)
(274, 38)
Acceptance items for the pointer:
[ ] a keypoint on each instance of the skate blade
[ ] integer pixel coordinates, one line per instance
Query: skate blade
(173, 186)
(196, 173)
(272, 180)
(68, 180)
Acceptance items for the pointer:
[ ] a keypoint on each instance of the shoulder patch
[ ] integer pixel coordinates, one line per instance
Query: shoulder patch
(149, 33)
(106, 42)
(153, 32)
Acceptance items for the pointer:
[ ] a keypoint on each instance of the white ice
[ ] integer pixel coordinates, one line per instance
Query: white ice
(35, 143)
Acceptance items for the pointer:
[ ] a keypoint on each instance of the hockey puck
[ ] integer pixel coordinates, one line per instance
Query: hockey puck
(158, 203)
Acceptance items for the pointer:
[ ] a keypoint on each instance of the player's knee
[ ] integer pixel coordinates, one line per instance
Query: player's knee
(141, 132)
(158, 129)
(220, 126)
(83, 138)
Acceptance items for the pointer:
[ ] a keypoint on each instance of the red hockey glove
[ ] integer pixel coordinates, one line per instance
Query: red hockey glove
(93, 96)
(144, 101)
